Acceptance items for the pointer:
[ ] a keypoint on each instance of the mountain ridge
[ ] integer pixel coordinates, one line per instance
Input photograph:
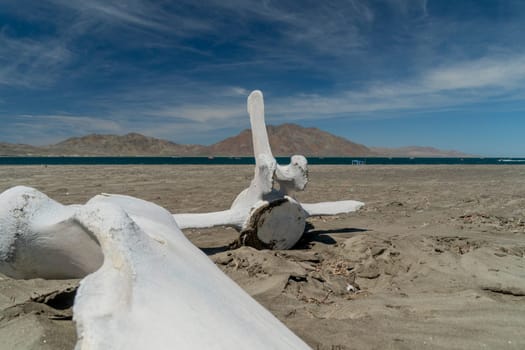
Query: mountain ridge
(285, 140)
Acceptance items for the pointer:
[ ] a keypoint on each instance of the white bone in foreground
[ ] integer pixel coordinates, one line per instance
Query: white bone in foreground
(154, 289)
(40, 238)
(268, 217)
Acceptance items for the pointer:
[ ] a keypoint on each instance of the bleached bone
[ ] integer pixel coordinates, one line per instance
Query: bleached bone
(40, 238)
(154, 289)
(268, 217)
(294, 176)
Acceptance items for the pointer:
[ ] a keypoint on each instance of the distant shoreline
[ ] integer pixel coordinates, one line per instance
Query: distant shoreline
(177, 160)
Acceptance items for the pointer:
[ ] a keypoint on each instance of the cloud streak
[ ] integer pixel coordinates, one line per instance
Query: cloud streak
(494, 79)
(47, 129)
(25, 62)
(136, 13)
(502, 72)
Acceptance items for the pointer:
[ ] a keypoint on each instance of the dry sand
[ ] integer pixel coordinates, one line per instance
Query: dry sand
(437, 254)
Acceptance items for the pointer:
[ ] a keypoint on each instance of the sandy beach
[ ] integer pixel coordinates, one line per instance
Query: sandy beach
(436, 256)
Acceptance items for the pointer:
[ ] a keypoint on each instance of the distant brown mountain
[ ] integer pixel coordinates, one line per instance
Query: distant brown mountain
(132, 144)
(290, 139)
(285, 140)
(11, 149)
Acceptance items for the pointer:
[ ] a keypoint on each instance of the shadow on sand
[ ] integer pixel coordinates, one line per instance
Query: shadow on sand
(310, 235)
(215, 250)
(322, 236)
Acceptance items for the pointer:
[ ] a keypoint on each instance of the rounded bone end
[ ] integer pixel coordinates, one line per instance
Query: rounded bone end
(255, 99)
(278, 224)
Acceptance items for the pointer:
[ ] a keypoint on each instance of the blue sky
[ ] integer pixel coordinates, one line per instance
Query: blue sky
(448, 74)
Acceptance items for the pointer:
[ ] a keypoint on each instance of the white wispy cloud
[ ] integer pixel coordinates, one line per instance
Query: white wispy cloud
(78, 122)
(496, 79)
(330, 29)
(27, 62)
(498, 72)
(408, 7)
(145, 14)
(327, 27)
(44, 129)
(201, 113)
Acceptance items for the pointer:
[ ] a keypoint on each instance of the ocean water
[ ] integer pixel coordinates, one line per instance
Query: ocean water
(249, 160)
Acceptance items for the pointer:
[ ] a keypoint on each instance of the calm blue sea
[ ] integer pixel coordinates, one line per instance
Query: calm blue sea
(247, 160)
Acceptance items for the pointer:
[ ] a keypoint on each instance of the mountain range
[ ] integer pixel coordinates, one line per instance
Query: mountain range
(285, 140)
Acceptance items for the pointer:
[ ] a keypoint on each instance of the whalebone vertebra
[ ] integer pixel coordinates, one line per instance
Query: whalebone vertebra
(268, 217)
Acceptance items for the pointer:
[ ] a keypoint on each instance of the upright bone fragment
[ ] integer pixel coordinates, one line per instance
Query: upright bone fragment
(268, 217)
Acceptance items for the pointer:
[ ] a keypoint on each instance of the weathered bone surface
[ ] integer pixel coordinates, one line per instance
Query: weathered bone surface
(276, 224)
(149, 287)
(268, 217)
(40, 238)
